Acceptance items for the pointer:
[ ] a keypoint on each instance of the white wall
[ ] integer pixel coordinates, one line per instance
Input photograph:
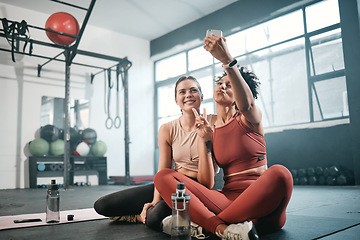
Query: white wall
(21, 91)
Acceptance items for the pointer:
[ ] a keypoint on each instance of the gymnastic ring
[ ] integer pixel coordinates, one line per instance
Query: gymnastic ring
(109, 123)
(117, 122)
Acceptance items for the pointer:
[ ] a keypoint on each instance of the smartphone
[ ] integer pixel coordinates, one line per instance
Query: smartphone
(217, 33)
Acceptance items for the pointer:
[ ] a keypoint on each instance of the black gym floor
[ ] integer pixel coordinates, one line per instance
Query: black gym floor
(314, 212)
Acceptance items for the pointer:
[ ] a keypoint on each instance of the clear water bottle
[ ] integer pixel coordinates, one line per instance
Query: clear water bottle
(180, 228)
(53, 203)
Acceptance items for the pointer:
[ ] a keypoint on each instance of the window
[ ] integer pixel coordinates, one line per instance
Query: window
(283, 91)
(166, 99)
(326, 52)
(170, 67)
(199, 58)
(322, 14)
(330, 99)
(297, 56)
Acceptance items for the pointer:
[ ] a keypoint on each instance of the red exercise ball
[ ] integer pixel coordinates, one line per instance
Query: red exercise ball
(62, 22)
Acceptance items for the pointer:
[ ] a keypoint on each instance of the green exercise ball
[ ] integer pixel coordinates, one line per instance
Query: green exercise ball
(39, 147)
(99, 148)
(57, 147)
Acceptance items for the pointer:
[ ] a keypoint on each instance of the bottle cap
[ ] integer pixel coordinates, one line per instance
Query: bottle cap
(185, 197)
(53, 185)
(180, 186)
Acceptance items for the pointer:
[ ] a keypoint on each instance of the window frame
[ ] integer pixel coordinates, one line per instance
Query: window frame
(311, 79)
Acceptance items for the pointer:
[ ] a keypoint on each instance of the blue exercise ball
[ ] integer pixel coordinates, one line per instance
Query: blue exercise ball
(41, 167)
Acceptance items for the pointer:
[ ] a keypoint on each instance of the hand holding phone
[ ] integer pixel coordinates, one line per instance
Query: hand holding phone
(217, 33)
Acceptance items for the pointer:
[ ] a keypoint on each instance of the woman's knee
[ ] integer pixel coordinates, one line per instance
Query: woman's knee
(159, 176)
(282, 174)
(100, 207)
(153, 222)
(280, 170)
(156, 214)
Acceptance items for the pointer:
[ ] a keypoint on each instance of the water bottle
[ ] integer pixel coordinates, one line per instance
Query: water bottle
(180, 227)
(53, 203)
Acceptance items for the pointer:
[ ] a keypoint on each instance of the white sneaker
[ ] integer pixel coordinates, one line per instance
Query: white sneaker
(166, 225)
(240, 231)
(195, 230)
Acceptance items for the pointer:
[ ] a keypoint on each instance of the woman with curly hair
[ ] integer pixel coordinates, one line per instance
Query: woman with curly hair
(253, 194)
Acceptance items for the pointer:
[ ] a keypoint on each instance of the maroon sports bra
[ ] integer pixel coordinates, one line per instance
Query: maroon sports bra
(237, 147)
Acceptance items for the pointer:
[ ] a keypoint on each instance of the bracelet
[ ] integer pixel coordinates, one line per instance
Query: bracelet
(230, 64)
(208, 146)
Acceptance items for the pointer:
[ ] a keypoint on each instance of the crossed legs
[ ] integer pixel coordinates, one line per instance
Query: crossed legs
(264, 201)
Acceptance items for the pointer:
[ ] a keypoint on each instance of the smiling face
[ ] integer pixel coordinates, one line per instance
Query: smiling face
(223, 93)
(188, 95)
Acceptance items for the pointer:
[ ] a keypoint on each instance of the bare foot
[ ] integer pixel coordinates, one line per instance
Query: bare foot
(139, 218)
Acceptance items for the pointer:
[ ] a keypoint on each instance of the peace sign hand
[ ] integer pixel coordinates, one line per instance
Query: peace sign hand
(203, 128)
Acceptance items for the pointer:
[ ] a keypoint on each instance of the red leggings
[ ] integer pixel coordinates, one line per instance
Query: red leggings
(260, 199)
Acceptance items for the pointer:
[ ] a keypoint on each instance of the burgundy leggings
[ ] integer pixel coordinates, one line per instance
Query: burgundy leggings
(260, 199)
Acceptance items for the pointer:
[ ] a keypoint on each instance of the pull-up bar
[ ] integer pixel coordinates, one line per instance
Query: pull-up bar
(69, 4)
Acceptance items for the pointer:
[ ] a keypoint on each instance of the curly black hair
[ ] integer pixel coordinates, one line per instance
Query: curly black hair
(250, 78)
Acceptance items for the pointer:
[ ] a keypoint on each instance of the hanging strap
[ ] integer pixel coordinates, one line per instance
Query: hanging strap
(117, 120)
(109, 122)
(12, 31)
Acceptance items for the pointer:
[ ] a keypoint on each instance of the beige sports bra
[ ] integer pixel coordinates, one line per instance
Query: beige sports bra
(184, 147)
